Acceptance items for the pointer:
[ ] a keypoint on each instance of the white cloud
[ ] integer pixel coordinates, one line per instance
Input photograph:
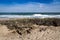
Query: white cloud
(31, 7)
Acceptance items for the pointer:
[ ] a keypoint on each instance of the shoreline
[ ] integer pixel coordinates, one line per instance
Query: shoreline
(30, 16)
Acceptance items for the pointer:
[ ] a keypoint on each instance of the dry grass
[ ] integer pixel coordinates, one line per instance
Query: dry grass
(30, 29)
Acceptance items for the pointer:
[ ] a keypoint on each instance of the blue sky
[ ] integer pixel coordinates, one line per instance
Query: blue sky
(24, 1)
(29, 5)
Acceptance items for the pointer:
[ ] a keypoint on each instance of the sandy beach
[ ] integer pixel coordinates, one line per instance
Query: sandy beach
(28, 29)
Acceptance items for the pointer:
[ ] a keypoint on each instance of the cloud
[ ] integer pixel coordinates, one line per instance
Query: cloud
(31, 7)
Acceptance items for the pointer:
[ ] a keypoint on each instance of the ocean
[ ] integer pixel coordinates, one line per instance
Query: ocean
(30, 15)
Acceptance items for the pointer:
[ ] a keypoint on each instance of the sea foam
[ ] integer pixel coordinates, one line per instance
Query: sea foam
(30, 16)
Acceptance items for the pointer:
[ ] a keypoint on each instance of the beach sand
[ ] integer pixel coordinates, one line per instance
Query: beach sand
(30, 32)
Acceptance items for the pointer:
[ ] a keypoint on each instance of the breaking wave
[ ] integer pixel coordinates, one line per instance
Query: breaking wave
(30, 16)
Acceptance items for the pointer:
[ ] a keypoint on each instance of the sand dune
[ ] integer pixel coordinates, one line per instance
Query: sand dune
(20, 31)
(50, 33)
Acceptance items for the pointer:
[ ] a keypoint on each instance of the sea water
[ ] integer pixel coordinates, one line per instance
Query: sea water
(29, 15)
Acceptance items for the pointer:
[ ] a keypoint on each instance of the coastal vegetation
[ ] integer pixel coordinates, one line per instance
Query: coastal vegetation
(37, 21)
(22, 24)
(30, 27)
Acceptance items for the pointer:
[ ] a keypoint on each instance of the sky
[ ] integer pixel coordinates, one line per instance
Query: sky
(29, 5)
